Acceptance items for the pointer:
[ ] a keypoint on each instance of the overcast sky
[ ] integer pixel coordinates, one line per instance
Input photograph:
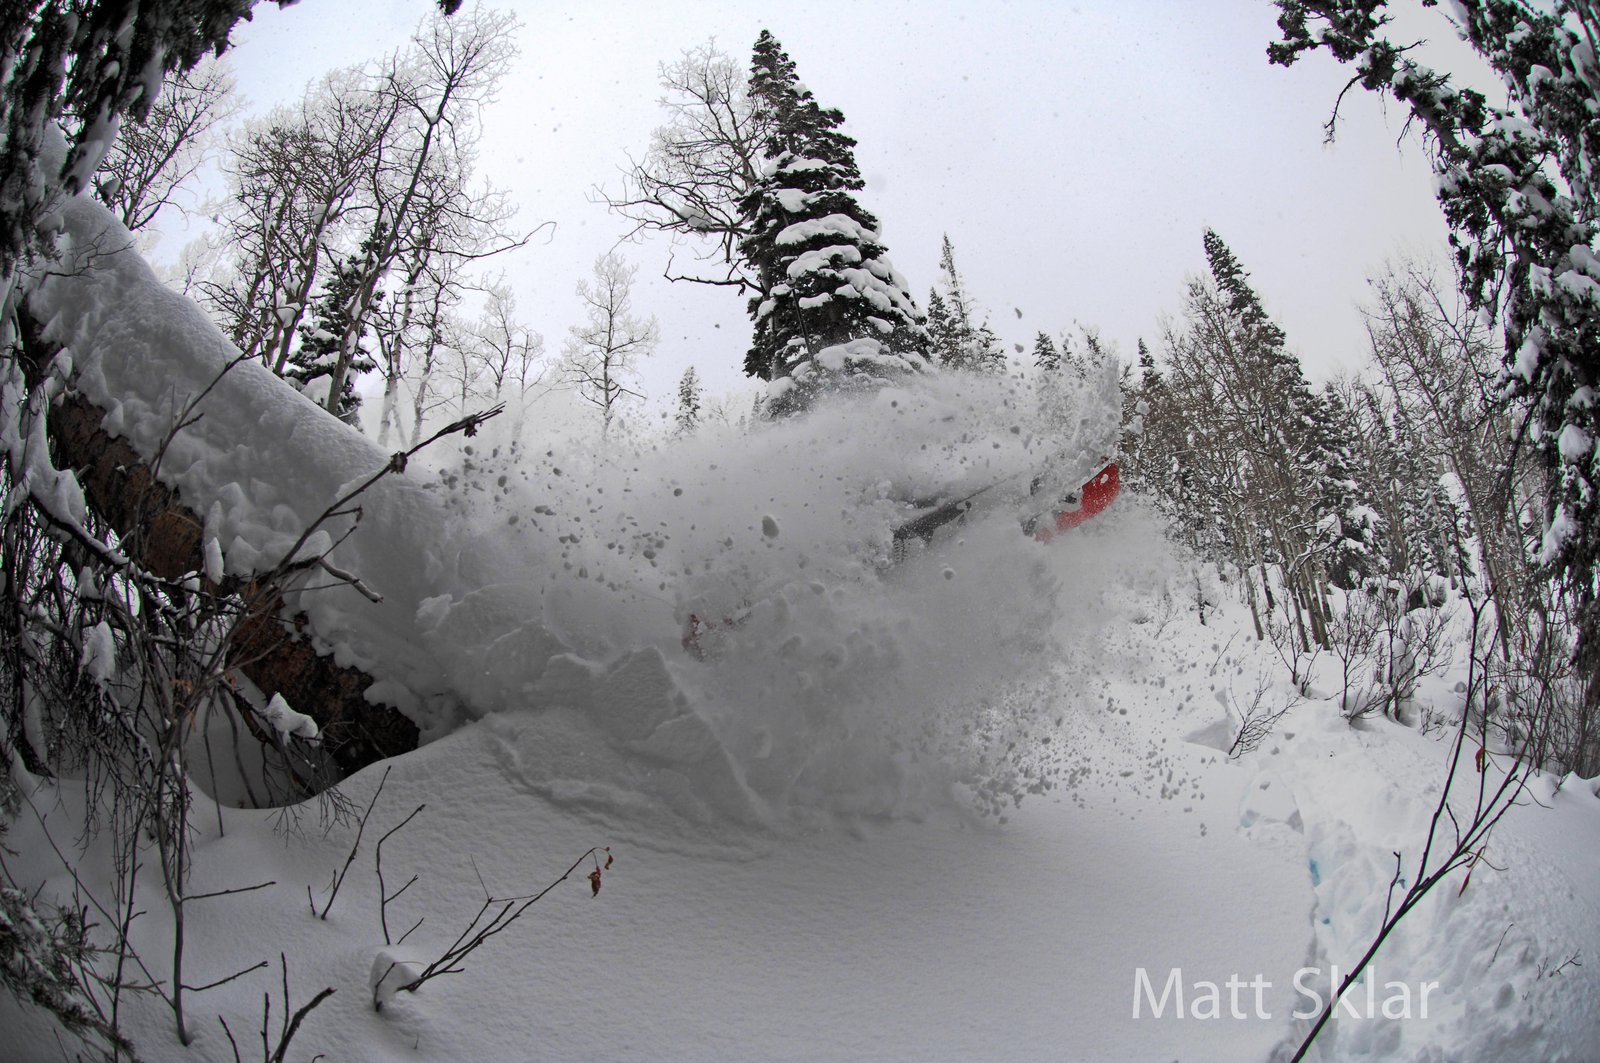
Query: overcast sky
(1072, 151)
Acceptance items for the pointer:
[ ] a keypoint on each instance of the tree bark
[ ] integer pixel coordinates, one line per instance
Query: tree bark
(164, 536)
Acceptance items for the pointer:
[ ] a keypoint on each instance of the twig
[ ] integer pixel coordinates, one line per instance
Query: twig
(361, 826)
(1570, 961)
(1497, 945)
(350, 579)
(468, 425)
(384, 897)
(224, 981)
(409, 932)
(1393, 882)
(479, 929)
(291, 1026)
(228, 892)
(236, 1057)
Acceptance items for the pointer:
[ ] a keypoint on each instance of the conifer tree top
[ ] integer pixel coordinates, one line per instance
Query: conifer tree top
(1233, 282)
(832, 310)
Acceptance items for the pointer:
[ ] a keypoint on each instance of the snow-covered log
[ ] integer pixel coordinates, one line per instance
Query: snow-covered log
(206, 463)
(165, 537)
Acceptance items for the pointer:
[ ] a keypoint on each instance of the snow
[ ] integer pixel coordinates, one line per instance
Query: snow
(930, 932)
(955, 807)
(1574, 444)
(821, 258)
(57, 490)
(100, 653)
(1530, 354)
(284, 720)
(794, 200)
(827, 225)
(1578, 285)
(1560, 530)
(794, 164)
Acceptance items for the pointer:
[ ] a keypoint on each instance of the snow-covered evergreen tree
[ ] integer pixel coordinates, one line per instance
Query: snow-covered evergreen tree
(322, 348)
(1518, 187)
(838, 315)
(1149, 373)
(102, 60)
(1420, 531)
(959, 341)
(1269, 388)
(1045, 354)
(1347, 524)
(943, 334)
(1135, 407)
(1094, 354)
(1230, 445)
(687, 419)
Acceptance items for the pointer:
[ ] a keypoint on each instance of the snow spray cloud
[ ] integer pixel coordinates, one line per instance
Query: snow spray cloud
(831, 678)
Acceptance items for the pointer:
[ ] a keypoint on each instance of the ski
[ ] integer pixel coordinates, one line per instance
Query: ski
(700, 634)
(1073, 509)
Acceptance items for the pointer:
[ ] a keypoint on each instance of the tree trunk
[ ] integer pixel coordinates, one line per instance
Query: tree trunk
(165, 537)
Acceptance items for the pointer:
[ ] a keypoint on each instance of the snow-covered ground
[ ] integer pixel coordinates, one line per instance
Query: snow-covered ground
(977, 805)
(925, 930)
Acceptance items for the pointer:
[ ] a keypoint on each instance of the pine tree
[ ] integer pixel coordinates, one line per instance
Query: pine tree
(959, 342)
(1518, 188)
(100, 60)
(1275, 396)
(1420, 532)
(988, 355)
(1045, 354)
(1231, 443)
(1072, 360)
(943, 334)
(1150, 376)
(1135, 407)
(1347, 529)
(1095, 354)
(1233, 282)
(322, 348)
(838, 315)
(687, 418)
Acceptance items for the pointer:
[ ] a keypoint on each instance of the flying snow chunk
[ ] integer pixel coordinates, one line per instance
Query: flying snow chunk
(769, 527)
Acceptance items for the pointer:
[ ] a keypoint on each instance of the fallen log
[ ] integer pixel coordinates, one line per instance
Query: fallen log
(271, 647)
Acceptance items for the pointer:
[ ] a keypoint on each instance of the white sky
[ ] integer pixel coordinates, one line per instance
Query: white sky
(1073, 152)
